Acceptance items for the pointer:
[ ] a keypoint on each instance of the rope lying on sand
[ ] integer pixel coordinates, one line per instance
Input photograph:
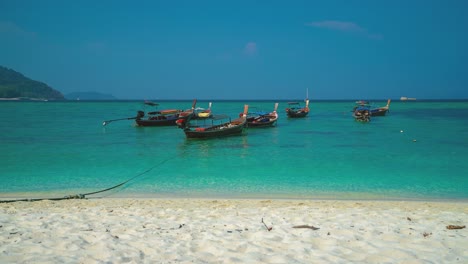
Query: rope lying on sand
(83, 196)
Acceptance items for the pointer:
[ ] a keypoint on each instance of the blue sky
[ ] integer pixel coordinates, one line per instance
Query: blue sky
(240, 49)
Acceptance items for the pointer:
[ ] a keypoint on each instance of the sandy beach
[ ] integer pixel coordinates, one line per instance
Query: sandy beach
(232, 231)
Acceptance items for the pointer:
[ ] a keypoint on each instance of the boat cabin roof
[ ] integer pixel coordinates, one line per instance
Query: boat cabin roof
(258, 113)
(361, 108)
(165, 112)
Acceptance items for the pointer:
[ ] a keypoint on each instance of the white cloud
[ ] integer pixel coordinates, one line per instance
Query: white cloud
(344, 26)
(250, 48)
(337, 25)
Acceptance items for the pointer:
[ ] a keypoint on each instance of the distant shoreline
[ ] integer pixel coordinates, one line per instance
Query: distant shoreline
(24, 99)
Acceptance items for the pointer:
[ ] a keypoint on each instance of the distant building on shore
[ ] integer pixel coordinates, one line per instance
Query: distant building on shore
(403, 98)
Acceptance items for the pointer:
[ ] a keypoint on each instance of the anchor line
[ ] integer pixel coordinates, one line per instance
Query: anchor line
(83, 196)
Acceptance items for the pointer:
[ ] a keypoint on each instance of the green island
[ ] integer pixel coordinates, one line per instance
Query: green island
(15, 86)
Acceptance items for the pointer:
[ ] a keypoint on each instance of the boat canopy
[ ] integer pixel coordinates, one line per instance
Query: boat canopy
(259, 113)
(361, 108)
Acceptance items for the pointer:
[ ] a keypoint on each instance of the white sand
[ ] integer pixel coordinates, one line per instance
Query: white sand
(231, 231)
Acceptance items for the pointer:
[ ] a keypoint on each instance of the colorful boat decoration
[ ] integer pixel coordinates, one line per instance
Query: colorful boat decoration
(203, 113)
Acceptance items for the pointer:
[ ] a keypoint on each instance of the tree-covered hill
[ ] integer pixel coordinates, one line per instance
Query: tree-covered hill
(15, 85)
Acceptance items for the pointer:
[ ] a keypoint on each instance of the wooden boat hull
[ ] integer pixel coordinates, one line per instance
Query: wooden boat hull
(148, 122)
(262, 124)
(158, 120)
(378, 112)
(263, 121)
(214, 133)
(231, 128)
(297, 114)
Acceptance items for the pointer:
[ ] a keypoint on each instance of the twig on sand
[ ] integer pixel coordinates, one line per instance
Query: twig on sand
(306, 226)
(425, 234)
(268, 228)
(455, 227)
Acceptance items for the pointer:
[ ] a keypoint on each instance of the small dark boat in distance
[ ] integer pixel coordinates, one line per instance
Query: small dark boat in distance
(295, 109)
(215, 126)
(150, 103)
(362, 102)
(262, 119)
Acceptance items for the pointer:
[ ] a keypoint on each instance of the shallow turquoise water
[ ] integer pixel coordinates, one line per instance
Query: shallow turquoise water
(417, 151)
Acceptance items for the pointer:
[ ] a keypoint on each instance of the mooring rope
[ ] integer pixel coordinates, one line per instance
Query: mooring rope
(83, 196)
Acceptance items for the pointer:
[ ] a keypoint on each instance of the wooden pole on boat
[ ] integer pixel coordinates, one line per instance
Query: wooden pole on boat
(194, 103)
(139, 115)
(276, 107)
(108, 121)
(246, 110)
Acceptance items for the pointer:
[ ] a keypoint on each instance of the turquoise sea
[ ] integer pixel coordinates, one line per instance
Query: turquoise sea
(418, 151)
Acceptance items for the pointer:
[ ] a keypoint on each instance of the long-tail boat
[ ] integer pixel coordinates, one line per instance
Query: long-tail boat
(295, 109)
(374, 111)
(380, 111)
(262, 119)
(167, 117)
(215, 126)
